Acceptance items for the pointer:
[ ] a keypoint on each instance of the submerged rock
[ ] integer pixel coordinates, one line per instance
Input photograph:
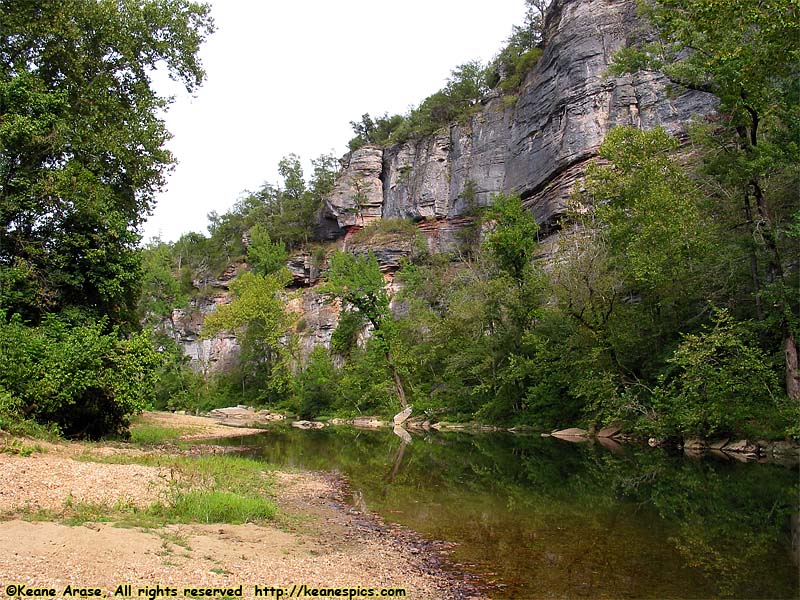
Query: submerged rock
(572, 432)
(244, 416)
(718, 444)
(742, 447)
(695, 444)
(308, 424)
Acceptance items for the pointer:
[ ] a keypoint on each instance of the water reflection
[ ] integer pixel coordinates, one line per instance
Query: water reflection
(543, 518)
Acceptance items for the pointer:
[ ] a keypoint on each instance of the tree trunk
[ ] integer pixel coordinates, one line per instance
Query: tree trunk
(398, 383)
(748, 213)
(792, 375)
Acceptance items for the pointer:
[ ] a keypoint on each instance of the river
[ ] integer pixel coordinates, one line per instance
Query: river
(540, 517)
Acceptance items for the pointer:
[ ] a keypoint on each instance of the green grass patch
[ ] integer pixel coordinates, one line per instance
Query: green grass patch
(214, 506)
(19, 448)
(144, 434)
(216, 488)
(176, 539)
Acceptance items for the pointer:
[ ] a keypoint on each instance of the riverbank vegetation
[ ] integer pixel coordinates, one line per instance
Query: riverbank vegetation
(665, 300)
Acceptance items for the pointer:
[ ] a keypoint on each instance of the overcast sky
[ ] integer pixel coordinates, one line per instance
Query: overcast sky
(288, 77)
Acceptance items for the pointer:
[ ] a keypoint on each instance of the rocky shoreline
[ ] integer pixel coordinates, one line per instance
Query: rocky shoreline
(742, 450)
(611, 437)
(432, 557)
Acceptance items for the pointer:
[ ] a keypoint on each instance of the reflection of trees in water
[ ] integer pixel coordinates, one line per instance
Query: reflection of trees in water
(405, 438)
(732, 522)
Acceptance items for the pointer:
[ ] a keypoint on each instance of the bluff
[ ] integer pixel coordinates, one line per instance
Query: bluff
(536, 145)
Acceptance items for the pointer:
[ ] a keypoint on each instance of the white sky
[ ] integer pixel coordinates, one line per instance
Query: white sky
(289, 76)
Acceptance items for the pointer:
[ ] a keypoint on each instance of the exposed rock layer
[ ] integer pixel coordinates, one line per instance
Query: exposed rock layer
(536, 147)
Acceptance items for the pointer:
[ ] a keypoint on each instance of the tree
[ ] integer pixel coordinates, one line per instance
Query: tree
(522, 50)
(264, 256)
(723, 382)
(513, 239)
(743, 53)
(315, 386)
(257, 315)
(86, 381)
(374, 131)
(651, 215)
(358, 281)
(467, 83)
(81, 159)
(82, 144)
(641, 267)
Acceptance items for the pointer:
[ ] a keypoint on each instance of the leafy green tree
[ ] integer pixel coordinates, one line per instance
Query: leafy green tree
(464, 337)
(315, 386)
(742, 52)
(643, 264)
(82, 144)
(193, 260)
(323, 177)
(357, 280)
(286, 212)
(226, 241)
(650, 211)
(374, 131)
(513, 240)
(467, 83)
(723, 383)
(257, 315)
(522, 50)
(84, 380)
(345, 337)
(264, 256)
(161, 289)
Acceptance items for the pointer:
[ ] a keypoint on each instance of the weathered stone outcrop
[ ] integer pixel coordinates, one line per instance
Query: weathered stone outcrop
(536, 147)
(217, 354)
(317, 320)
(305, 269)
(357, 197)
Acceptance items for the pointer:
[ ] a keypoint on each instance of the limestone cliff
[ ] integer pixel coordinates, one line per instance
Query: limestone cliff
(536, 146)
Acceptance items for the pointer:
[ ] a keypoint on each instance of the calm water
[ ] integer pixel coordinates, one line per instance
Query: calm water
(542, 518)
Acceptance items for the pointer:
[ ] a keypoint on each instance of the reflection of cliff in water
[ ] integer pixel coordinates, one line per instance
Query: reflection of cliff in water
(554, 519)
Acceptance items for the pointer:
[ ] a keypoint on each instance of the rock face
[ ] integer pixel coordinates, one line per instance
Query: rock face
(537, 147)
(217, 354)
(357, 197)
(317, 320)
(304, 269)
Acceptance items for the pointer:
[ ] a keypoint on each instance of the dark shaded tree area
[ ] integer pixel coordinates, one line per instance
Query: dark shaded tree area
(81, 158)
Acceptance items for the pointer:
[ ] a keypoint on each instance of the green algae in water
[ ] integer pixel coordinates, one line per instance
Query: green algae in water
(542, 518)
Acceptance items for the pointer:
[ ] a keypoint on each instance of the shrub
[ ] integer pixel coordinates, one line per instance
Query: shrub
(723, 382)
(315, 386)
(85, 381)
